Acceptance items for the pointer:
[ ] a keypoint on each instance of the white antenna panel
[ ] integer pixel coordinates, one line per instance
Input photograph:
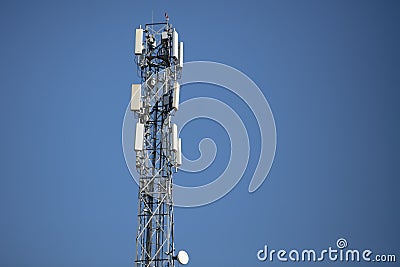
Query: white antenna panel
(181, 54)
(136, 102)
(139, 42)
(175, 100)
(174, 137)
(139, 136)
(179, 153)
(175, 45)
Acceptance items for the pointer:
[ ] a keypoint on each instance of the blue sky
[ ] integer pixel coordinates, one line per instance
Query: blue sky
(329, 70)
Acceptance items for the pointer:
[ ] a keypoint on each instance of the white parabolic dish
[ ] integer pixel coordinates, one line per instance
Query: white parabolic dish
(182, 257)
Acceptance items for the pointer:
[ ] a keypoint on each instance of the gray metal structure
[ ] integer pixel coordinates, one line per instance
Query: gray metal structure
(159, 58)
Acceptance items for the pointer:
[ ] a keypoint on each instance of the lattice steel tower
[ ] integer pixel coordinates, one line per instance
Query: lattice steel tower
(159, 57)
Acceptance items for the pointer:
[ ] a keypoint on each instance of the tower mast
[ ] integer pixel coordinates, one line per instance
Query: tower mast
(159, 58)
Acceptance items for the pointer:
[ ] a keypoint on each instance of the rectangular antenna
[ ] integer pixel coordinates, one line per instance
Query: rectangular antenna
(136, 102)
(181, 54)
(175, 45)
(179, 153)
(139, 136)
(174, 137)
(139, 42)
(175, 100)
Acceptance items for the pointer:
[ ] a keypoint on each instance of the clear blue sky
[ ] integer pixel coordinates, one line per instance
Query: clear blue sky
(329, 69)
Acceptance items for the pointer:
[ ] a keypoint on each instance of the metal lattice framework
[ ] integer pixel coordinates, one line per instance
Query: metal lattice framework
(159, 155)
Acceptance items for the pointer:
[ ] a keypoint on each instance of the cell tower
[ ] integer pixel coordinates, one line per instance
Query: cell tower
(159, 57)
